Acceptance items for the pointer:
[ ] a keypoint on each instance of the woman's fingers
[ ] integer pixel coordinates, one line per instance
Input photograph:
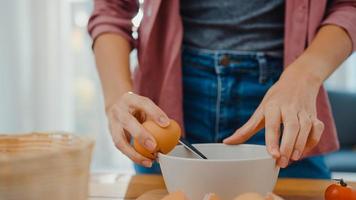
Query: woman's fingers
(272, 130)
(125, 117)
(121, 143)
(290, 133)
(130, 124)
(305, 126)
(251, 127)
(315, 134)
(148, 107)
(300, 134)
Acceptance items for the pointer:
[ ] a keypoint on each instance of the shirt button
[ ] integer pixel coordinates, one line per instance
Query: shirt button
(225, 60)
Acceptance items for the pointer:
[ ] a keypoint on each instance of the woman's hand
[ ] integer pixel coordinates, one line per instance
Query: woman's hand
(125, 117)
(291, 101)
(124, 110)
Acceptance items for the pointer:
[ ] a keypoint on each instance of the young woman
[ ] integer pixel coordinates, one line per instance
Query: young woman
(225, 70)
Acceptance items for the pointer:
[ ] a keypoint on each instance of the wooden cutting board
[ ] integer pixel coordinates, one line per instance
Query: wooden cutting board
(290, 189)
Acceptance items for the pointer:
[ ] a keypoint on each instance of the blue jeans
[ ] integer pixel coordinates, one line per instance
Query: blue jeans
(221, 91)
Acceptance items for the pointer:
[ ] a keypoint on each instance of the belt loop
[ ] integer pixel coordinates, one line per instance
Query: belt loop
(262, 63)
(216, 62)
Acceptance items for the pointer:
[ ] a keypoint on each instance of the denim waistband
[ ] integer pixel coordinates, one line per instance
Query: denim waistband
(230, 61)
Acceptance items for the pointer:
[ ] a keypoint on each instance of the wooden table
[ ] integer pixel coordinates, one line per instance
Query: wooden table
(105, 186)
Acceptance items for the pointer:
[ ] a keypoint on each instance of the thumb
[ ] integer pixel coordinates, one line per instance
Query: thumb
(250, 128)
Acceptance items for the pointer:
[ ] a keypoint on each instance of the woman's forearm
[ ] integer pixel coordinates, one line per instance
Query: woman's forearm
(112, 61)
(125, 111)
(331, 46)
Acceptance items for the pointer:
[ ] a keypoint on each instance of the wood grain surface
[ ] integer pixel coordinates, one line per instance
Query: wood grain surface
(149, 187)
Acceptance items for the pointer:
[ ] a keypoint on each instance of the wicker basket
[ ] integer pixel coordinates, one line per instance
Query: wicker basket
(44, 166)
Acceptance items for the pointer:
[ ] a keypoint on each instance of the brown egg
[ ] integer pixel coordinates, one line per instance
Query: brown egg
(249, 196)
(166, 137)
(175, 196)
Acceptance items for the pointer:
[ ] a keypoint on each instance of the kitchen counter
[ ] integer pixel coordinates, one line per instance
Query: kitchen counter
(110, 186)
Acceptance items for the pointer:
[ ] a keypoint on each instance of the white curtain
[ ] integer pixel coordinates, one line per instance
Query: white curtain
(48, 79)
(35, 70)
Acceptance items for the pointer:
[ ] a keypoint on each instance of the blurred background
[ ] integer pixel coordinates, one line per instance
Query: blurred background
(48, 81)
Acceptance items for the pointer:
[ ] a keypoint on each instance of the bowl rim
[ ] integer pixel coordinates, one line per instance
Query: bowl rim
(168, 156)
(85, 142)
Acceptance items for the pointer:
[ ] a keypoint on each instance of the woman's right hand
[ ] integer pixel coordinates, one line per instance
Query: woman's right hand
(125, 117)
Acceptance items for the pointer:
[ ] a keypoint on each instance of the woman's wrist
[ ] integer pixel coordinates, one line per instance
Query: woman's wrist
(115, 94)
(307, 71)
(330, 47)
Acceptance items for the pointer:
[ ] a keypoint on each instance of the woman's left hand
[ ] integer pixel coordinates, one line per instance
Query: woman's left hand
(291, 101)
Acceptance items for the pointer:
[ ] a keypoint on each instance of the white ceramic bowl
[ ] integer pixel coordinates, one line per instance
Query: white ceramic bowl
(229, 171)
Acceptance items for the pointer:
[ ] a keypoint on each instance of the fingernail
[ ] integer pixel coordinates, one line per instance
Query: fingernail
(283, 162)
(150, 145)
(163, 120)
(147, 163)
(296, 155)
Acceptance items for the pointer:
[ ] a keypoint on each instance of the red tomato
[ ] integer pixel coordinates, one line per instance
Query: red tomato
(340, 191)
